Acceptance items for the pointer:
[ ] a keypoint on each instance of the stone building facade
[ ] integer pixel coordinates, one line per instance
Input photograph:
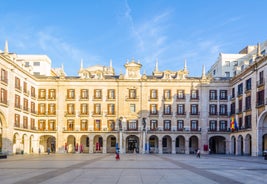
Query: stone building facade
(99, 111)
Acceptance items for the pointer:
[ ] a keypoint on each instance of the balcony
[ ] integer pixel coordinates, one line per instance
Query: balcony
(260, 83)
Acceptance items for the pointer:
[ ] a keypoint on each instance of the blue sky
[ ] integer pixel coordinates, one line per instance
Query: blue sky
(97, 31)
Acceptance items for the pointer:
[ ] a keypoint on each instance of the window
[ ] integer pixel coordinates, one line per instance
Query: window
(84, 109)
(41, 125)
(51, 125)
(214, 72)
(223, 109)
(233, 92)
(223, 125)
(36, 63)
(248, 84)
(223, 94)
(213, 95)
(248, 103)
(52, 109)
(132, 125)
(167, 109)
(248, 121)
(153, 109)
(213, 109)
(25, 122)
(227, 74)
(194, 94)
(25, 87)
(70, 125)
(98, 94)
(33, 92)
(194, 109)
(32, 107)
(132, 108)
(240, 105)
(25, 104)
(17, 83)
(17, 120)
(113, 142)
(180, 94)
(167, 94)
(111, 125)
(111, 109)
(70, 109)
(17, 101)
(153, 94)
(227, 63)
(240, 123)
(180, 125)
(132, 93)
(235, 63)
(233, 108)
(261, 78)
(240, 89)
(32, 124)
(260, 98)
(167, 125)
(153, 124)
(213, 125)
(4, 76)
(84, 94)
(84, 125)
(70, 94)
(3, 97)
(194, 125)
(97, 109)
(41, 108)
(42, 94)
(52, 94)
(111, 94)
(180, 109)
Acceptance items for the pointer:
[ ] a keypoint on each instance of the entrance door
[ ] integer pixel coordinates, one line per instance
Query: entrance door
(132, 146)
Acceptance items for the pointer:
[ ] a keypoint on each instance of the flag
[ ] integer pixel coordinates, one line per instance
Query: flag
(233, 124)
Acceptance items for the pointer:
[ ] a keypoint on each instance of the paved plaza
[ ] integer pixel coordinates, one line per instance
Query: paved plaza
(132, 168)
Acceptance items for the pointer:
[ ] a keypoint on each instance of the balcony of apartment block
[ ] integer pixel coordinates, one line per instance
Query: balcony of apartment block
(194, 99)
(33, 112)
(260, 83)
(41, 98)
(33, 96)
(153, 114)
(108, 98)
(51, 113)
(70, 114)
(213, 98)
(83, 114)
(167, 114)
(166, 99)
(192, 130)
(247, 108)
(224, 114)
(51, 98)
(18, 88)
(181, 114)
(216, 130)
(18, 107)
(4, 103)
(213, 114)
(194, 114)
(83, 98)
(26, 92)
(26, 110)
(238, 111)
(97, 114)
(153, 99)
(70, 98)
(260, 104)
(180, 98)
(247, 91)
(131, 98)
(223, 99)
(97, 98)
(4, 81)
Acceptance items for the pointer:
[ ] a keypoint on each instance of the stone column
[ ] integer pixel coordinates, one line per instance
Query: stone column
(160, 146)
(91, 145)
(104, 146)
(187, 146)
(173, 147)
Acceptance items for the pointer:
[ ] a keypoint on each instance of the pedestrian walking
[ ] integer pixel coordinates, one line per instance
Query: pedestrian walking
(198, 153)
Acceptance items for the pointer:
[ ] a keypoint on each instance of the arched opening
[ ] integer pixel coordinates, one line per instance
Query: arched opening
(217, 145)
(264, 142)
(153, 144)
(193, 144)
(111, 144)
(16, 144)
(180, 144)
(31, 144)
(233, 145)
(84, 144)
(1, 132)
(71, 144)
(240, 145)
(166, 144)
(248, 147)
(47, 142)
(98, 144)
(132, 144)
(262, 133)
